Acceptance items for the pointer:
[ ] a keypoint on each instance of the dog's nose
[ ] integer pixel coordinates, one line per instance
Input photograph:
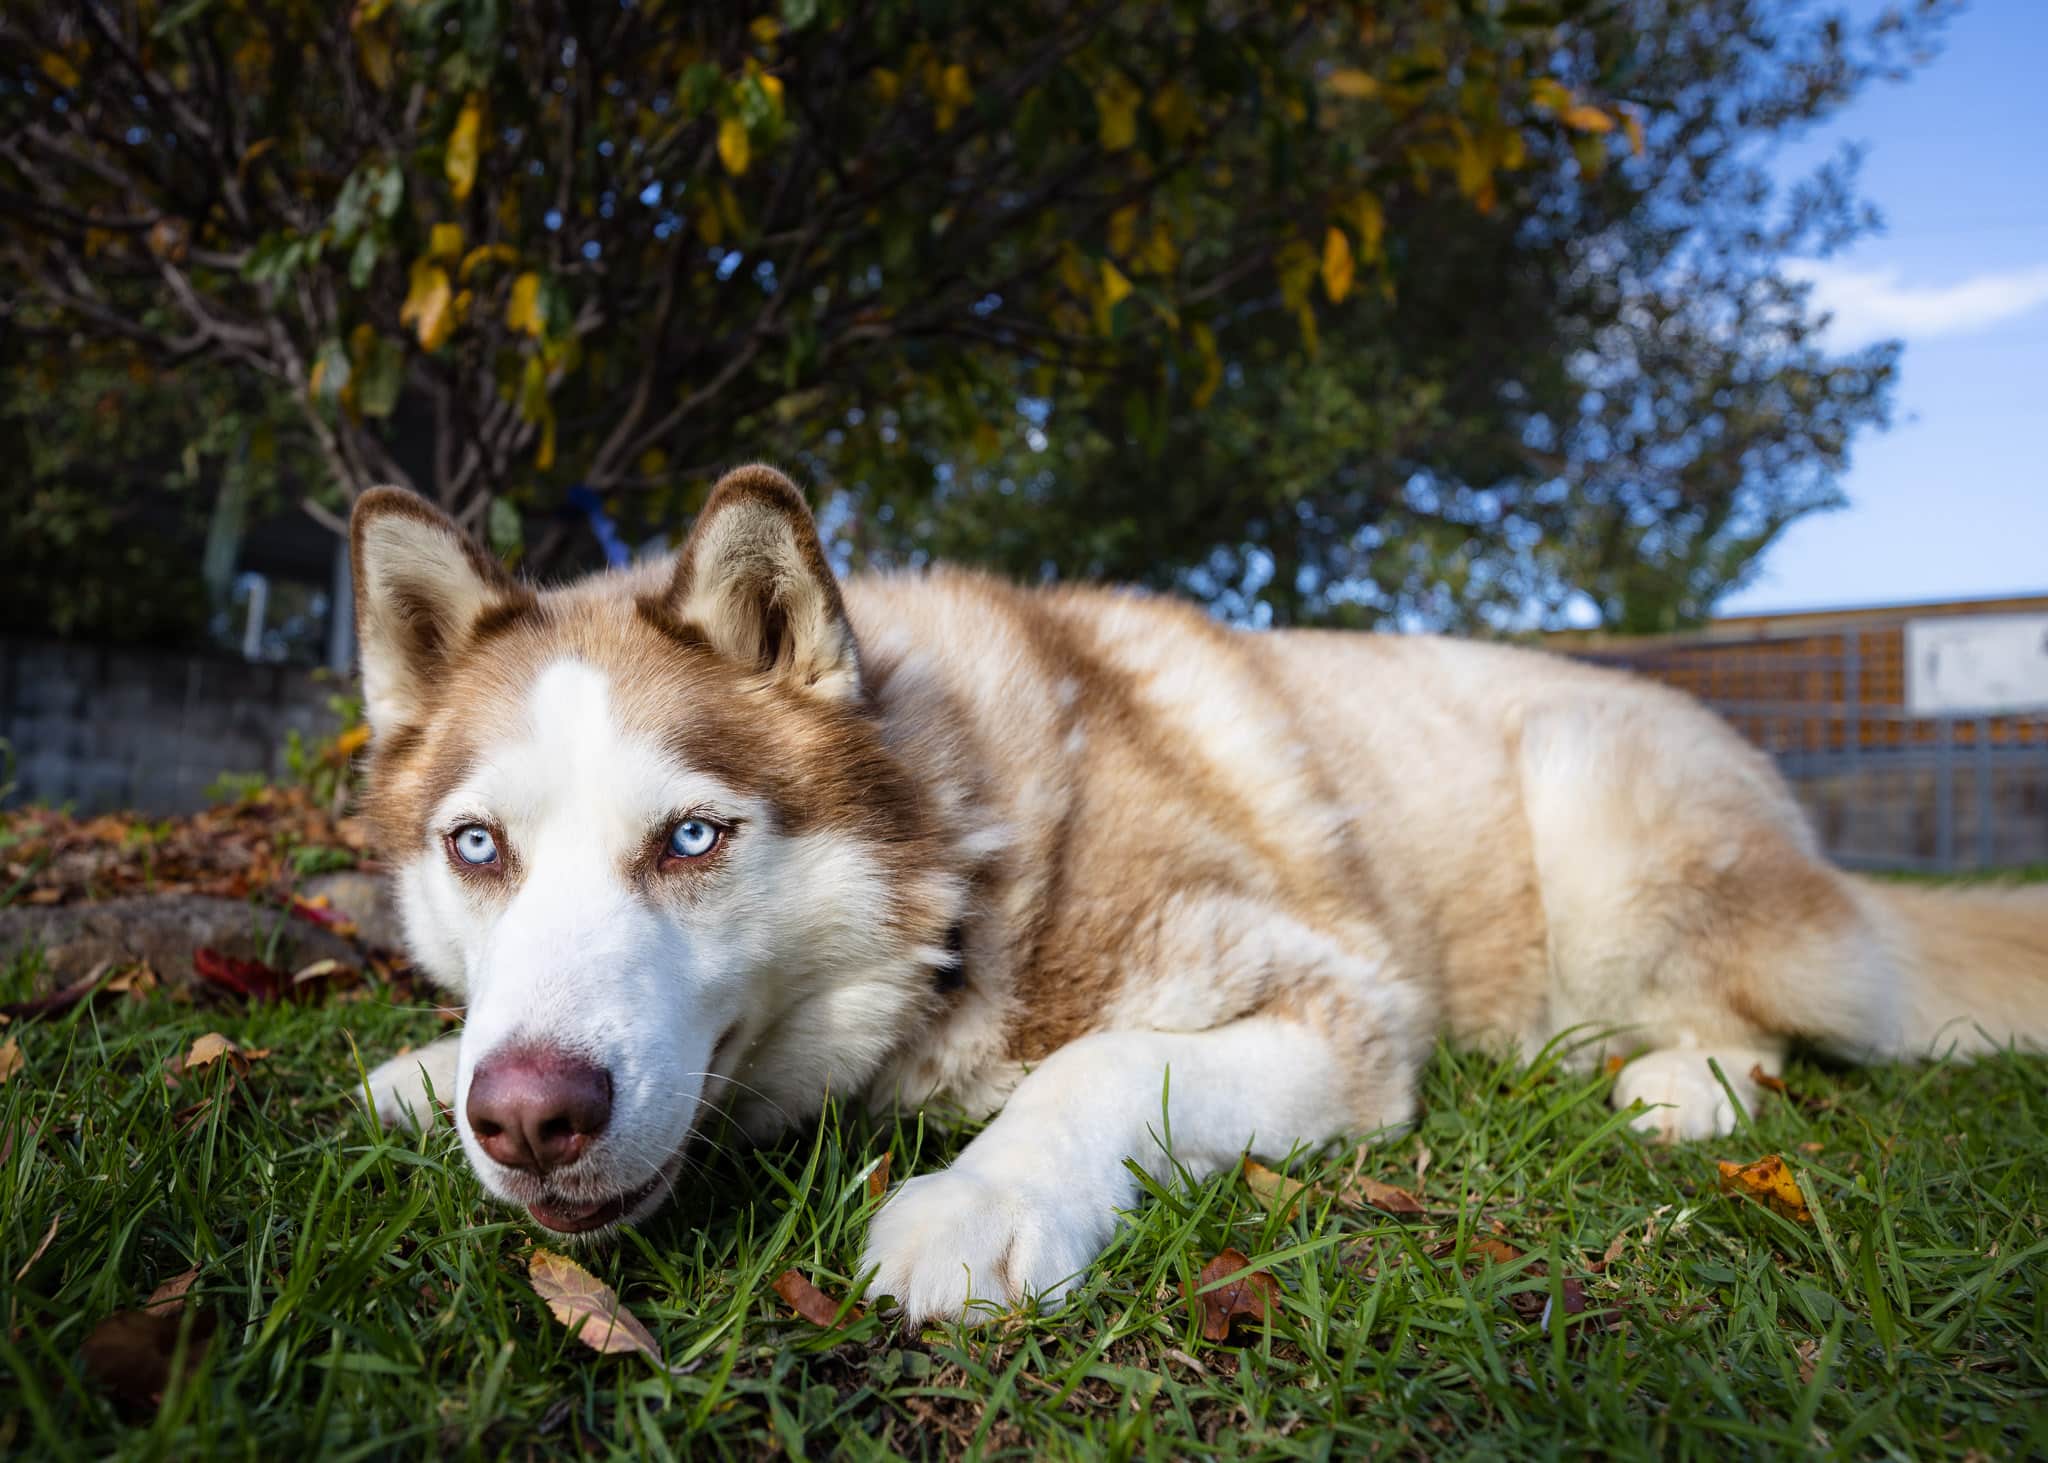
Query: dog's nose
(537, 1108)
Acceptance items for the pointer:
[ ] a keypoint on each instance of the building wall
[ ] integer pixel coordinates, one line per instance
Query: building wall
(102, 727)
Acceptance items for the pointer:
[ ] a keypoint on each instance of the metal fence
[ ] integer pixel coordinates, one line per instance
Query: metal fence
(1885, 788)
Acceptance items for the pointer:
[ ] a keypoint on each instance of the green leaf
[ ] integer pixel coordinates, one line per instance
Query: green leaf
(502, 524)
(796, 14)
(382, 378)
(362, 261)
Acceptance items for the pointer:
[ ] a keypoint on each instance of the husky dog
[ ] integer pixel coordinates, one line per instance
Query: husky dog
(722, 833)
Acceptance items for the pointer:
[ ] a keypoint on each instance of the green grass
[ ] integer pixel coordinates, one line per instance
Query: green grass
(368, 1303)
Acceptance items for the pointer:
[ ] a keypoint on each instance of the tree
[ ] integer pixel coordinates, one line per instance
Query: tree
(494, 252)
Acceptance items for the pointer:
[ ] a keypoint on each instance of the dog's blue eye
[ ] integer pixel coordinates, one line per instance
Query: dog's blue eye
(474, 844)
(692, 838)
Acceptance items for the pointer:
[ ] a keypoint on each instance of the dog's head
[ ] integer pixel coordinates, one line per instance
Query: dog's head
(651, 830)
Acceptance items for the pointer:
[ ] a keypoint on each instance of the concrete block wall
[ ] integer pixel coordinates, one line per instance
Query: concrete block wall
(103, 727)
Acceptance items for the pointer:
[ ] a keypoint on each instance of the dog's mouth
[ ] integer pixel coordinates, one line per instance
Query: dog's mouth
(575, 1216)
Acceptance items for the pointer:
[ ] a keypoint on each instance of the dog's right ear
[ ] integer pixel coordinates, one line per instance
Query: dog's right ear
(421, 588)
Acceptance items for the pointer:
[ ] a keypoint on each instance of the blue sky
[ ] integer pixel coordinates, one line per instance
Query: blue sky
(1953, 500)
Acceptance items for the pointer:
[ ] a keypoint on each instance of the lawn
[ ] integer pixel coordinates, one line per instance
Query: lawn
(363, 1300)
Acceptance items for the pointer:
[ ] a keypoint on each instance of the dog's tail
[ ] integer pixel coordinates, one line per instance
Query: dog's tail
(1973, 964)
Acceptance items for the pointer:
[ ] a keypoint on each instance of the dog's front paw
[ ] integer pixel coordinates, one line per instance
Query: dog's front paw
(1683, 1097)
(961, 1243)
(415, 1087)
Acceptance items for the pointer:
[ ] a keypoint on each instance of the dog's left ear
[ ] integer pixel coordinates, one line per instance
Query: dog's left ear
(753, 583)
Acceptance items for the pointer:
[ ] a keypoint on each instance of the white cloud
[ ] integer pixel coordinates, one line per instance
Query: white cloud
(1875, 304)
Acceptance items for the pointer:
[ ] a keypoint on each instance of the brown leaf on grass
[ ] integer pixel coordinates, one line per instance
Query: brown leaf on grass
(1361, 1192)
(1494, 1248)
(810, 1302)
(11, 1059)
(169, 1298)
(1248, 1295)
(878, 1179)
(214, 1047)
(134, 1354)
(138, 979)
(1769, 1181)
(48, 1235)
(1765, 1080)
(590, 1308)
(1275, 1191)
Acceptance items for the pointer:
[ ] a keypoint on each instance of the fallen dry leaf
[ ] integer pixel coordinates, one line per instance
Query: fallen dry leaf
(1275, 1191)
(214, 1047)
(1493, 1248)
(1247, 1297)
(11, 1059)
(590, 1308)
(878, 1179)
(134, 1354)
(169, 1298)
(810, 1302)
(1769, 1181)
(48, 1235)
(1765, 1080)
(1362, 1191)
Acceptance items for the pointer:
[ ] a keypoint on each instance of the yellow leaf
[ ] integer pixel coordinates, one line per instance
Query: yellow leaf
(772, 87)
(59, 70)
(1123, 229)
(734, 149)
(1114, 286)
(1769, 1181)
(444, 241)
(1338, 265)
(1116, 104)
(764, 29)
(1633, 125)
(463, 148)
(652, 463)
(429, 304)
(1552, 96)
(1586, 119)
(544, 455)
(11, 1060)
(952, 91)
(522, 308)
(485, 254)
(1350, 82)
(315, 378)
(887, 84)
(1370, 222)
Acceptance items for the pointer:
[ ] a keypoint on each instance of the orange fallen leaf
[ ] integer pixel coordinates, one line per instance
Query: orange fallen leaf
(810, 1302)
(1764, 1079)
(1248, 1296)
(590, 1308)
(1277, 1192)
(11, 1059)
(1769, 1181)
(878, 1179)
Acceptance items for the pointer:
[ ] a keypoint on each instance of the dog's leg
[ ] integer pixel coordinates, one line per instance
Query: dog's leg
(399, 1087)
(1678, 1088)
(1033, 1199)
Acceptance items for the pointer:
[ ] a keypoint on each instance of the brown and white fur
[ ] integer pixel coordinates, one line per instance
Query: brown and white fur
(1248, 875)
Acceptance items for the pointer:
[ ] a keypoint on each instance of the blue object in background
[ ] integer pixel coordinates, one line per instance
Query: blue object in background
(606, 532)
